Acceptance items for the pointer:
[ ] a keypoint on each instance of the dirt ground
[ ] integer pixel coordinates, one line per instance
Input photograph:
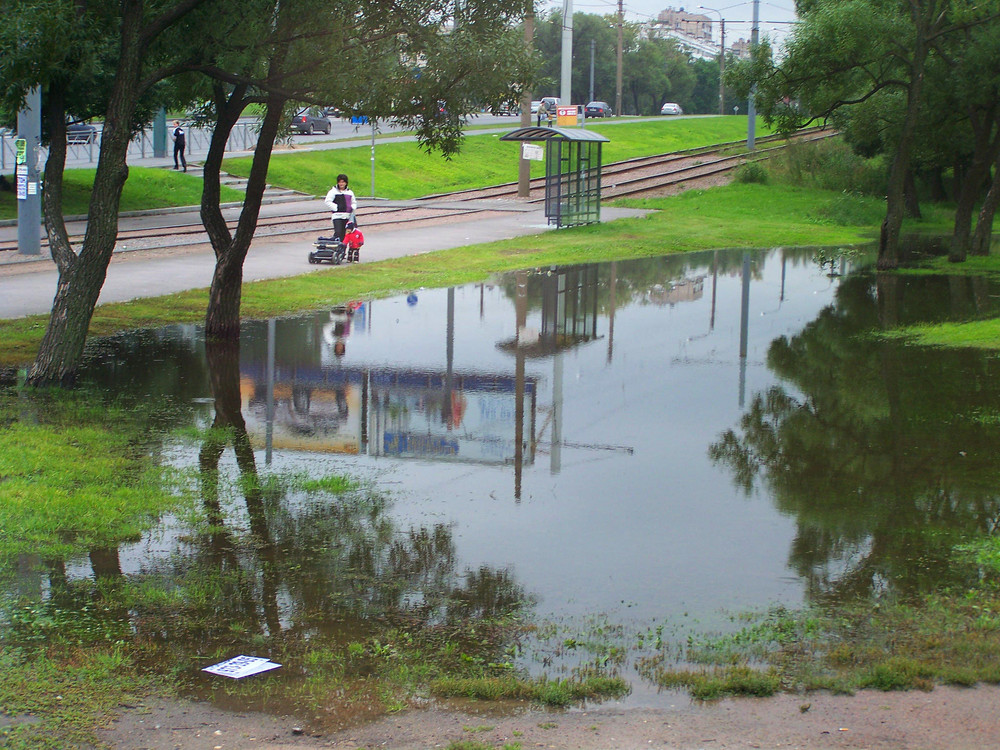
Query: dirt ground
(945, 719)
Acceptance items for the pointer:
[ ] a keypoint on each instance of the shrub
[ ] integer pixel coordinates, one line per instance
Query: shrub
(752, 171)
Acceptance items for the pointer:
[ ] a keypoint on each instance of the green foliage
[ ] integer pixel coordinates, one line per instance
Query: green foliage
(830, 164)
(751, 172)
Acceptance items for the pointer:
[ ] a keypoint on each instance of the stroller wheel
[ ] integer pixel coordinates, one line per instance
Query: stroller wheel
(312, 258)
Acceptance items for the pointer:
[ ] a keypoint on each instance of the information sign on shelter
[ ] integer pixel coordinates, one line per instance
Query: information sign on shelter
(532, 152)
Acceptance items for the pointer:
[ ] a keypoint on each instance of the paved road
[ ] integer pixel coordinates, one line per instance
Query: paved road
(27, 284)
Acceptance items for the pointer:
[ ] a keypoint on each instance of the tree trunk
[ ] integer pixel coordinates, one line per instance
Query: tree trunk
(222, 318)
(968, 191)
(888, 251)
(983, 236)
(82, 276)
(910, 197)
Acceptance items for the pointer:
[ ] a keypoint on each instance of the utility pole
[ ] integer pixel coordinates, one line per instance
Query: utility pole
(29, 197)
(566, 85)
(523, 165)
(618, 73)
(593, 44)
(751, 107)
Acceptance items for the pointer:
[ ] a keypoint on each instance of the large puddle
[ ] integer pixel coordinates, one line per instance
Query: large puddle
(636, 447)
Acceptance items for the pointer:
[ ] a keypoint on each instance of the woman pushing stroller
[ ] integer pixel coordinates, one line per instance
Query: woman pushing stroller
(347, 238)
(342, 202)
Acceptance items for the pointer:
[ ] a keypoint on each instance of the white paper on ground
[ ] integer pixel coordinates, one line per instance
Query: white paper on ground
(241, 666)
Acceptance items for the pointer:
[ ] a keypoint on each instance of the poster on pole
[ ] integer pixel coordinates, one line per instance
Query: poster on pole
(532, 152)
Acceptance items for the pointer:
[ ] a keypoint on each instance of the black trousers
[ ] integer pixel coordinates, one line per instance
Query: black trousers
(339, 228)
(179, 156)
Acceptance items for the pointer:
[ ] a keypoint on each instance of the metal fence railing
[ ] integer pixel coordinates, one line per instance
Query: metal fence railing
(242, 138)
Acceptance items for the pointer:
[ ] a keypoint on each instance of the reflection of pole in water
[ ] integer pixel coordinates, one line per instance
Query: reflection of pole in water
(450, 355)
(611, 304)
(744, 323)
(555, 457)
(715, 284)
(521, 312)
(269, 419)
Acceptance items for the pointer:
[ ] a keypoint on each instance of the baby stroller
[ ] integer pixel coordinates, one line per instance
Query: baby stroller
(336, 250)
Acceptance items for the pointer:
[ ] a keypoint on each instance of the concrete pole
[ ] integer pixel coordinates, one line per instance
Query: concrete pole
(618, 72)
(751, 107)
(29, 196)
(160, 134)
(565, 88)
(593, 44)
(524, 165)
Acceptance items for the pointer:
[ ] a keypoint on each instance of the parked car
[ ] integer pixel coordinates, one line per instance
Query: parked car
(308, 122)
(598, 109)
(81, 132)
(507, 109)
(551, 102)
(671, 108)
(333, 112)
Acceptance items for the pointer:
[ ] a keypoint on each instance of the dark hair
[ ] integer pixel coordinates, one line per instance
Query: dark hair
(343, 177)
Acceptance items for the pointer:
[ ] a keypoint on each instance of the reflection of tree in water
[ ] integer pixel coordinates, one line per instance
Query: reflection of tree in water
(883, 459)
(315, 570)
(290, 574)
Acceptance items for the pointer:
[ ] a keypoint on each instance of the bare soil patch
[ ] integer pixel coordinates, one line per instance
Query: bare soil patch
(945, 719)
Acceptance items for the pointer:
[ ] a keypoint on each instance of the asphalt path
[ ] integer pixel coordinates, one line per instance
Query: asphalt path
(28, 283)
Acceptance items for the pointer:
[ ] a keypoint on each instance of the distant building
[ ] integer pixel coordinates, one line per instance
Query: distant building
(691, 31)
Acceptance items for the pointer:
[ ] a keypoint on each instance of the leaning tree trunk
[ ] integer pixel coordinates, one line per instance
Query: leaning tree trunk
(983, 236)
(222, 318)
(82, 276)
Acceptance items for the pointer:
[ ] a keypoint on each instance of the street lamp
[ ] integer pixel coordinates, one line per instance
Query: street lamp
(722, 57)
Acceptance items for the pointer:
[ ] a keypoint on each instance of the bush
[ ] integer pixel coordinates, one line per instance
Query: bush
(831, 165)
(752, 171)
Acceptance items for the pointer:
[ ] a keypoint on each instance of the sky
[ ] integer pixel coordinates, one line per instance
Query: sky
(775, 16)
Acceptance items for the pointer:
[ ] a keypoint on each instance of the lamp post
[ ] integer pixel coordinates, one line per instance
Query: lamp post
(722, 57)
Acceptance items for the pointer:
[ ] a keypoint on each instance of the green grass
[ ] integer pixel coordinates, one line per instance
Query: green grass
(403, 171)
(973, 334)
(949, 637)
(146, 188)
(733, 216)
(74, 478)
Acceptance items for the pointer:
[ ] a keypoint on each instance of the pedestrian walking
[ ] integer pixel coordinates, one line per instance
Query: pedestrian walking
(179, 143)
(543, 111)
(341, 201)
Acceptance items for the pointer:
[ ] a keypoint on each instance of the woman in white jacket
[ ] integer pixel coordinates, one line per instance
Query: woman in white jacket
(342, 202)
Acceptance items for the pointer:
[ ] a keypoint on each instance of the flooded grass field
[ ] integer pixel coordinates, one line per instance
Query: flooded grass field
(576, 474)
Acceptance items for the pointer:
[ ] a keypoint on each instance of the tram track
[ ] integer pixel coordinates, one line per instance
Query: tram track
(628, 178)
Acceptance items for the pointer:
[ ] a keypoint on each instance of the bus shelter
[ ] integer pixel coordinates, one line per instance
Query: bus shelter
(572, 172)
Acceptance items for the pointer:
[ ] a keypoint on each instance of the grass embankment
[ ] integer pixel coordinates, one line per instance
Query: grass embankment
(739, 215)
(146, 188)
(403, 171)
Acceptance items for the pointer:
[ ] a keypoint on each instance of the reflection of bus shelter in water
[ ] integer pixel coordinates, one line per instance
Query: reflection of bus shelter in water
(572, 172)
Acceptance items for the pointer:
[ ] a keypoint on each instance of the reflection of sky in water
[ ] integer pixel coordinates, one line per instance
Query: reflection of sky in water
(640, 535)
